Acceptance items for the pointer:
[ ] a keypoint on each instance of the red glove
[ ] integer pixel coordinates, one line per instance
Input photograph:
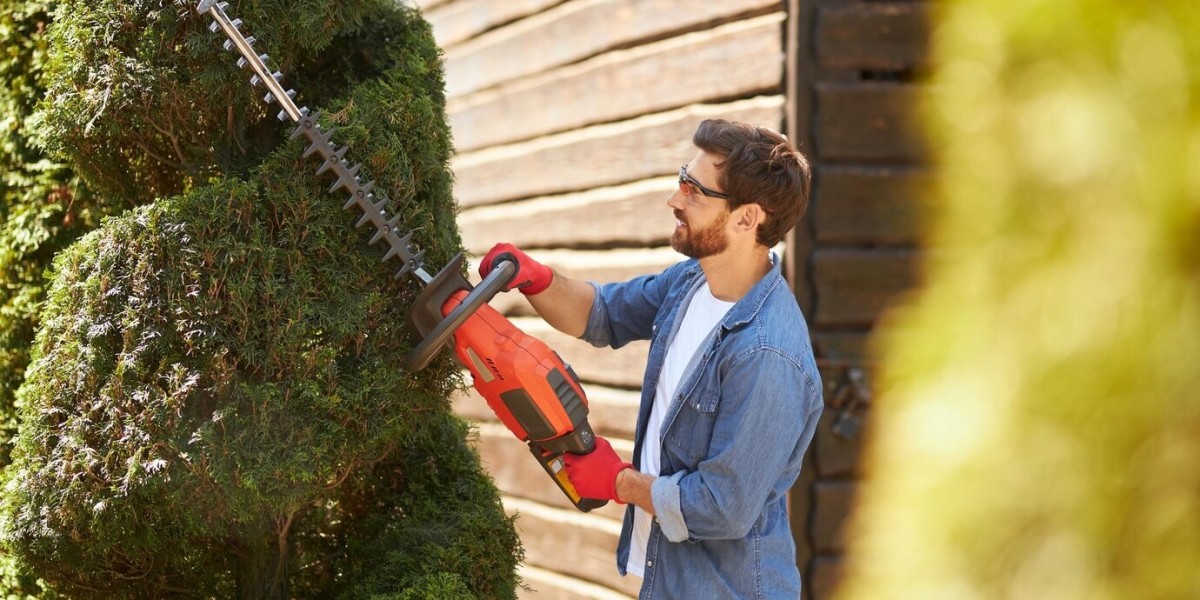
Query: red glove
(532, 276)
(595, 474)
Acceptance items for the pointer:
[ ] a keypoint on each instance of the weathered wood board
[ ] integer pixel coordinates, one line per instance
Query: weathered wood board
(833, 501)
(867, 122)
(572, 543)
(869, 206)
(854, 286)
(456, 21)
(577, 30)
(626, 83)
(883, 36)
(603, 155)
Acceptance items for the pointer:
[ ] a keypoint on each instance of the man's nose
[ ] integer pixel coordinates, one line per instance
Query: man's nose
(676, 200)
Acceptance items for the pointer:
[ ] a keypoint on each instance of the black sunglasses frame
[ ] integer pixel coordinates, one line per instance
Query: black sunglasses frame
(688, 179)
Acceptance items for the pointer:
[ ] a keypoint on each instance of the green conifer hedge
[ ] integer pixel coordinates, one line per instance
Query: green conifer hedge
(43, 206)
(217, 405)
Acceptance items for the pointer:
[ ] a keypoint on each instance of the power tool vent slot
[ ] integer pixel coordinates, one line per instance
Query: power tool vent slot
(576, 410)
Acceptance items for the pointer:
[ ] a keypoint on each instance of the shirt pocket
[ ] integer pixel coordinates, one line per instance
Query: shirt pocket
(691, 433)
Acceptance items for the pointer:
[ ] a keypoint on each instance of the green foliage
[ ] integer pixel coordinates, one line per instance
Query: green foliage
(1037, 432)
(436, 551)
(217, 405)
(42, 206)
(146, 104)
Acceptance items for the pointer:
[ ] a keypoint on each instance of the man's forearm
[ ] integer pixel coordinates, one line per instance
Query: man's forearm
(634, 488)
(565, 304)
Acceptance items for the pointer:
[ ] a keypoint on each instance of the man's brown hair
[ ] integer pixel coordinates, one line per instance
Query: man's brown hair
(759, 166)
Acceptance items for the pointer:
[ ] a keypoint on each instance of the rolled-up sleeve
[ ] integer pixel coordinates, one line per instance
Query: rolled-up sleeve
(664, 494)
(624, 312)
(767, 414)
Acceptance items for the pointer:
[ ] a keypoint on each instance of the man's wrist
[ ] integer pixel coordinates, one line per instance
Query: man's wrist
(633, 487)
(620, 480)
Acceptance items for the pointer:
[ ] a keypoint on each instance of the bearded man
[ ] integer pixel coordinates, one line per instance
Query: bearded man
(731, 395)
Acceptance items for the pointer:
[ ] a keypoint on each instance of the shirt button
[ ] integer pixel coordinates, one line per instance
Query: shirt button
(649, 563)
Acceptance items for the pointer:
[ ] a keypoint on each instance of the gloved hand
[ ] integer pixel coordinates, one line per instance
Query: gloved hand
(532, 276)
(595, 473)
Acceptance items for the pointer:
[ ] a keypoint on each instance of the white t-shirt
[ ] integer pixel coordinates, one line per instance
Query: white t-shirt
(702, 314)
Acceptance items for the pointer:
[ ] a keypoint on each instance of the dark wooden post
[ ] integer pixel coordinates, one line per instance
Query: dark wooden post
(852, 76)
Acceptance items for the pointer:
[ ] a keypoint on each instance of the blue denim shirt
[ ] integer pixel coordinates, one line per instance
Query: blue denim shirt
(732, 440)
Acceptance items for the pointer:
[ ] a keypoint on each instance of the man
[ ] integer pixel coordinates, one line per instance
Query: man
(731, 395)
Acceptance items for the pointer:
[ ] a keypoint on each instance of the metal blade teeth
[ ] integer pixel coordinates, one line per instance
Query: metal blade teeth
(305, 124)
(269, 98)
(331, 160)
(397, 247)
(365, 190)
(314, 147)
(346, 179)
(363, 220)
(411, 265)
(321, 143)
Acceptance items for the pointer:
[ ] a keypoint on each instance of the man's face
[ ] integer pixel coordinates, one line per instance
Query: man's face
(701, 230)
(707, 241)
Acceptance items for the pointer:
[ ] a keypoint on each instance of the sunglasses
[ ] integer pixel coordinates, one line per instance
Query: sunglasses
(686, 180)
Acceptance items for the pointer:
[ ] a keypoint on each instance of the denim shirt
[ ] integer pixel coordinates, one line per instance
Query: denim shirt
(733, 438)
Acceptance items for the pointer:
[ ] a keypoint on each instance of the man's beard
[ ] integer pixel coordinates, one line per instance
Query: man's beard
(704, 243)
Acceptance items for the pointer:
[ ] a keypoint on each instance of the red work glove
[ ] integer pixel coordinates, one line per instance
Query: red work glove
(532, 276)
(595, 474)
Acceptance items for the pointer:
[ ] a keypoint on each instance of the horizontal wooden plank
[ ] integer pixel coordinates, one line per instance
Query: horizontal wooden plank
(597, 156)
(509, 462)
(736, 60)
(573, 31)
(869, 205)
(571, 543)
(600, 266)
(836, 350)
(824, 573)
(617, 368)
(832, 503)
(454, 22)
(543, 584)
(883, 36)
(634, 214)
(868, 122)
(855, 286)
(612, 412)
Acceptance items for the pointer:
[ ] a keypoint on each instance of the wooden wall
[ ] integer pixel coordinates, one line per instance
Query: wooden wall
(571, 119)
(853, 76)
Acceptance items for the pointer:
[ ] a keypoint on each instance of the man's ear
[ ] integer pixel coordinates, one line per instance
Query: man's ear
(749, 216)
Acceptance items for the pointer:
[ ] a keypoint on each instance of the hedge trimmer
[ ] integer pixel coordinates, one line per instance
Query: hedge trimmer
(529, 387)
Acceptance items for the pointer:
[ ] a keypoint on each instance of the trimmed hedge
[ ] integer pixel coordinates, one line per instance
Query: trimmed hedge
(217, 404)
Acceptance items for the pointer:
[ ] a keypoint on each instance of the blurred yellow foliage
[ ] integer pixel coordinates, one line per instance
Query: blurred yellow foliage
(1037, 430)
